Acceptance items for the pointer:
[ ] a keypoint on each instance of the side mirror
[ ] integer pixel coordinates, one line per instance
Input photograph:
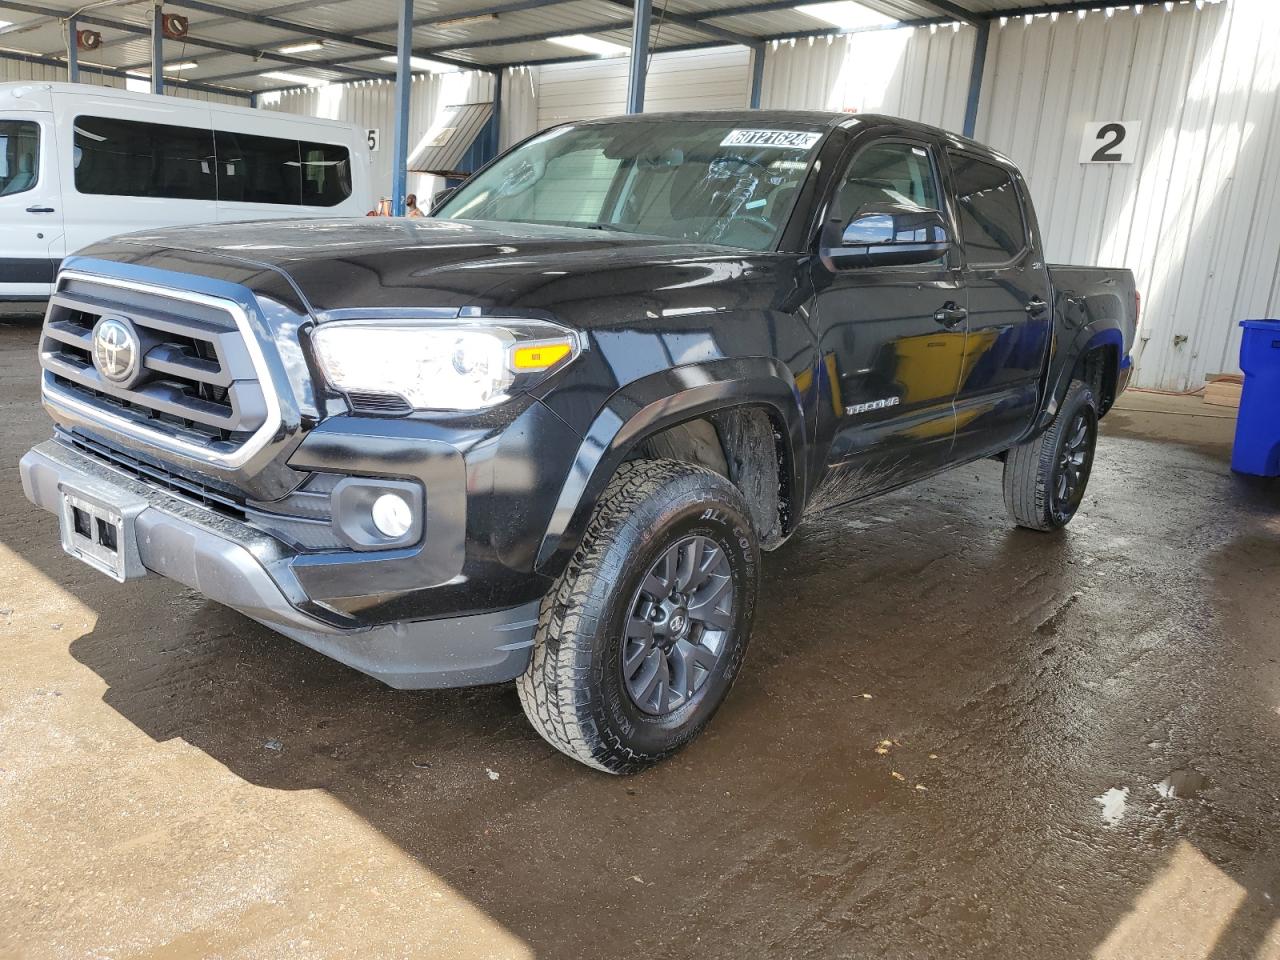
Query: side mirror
(440, 197)
(884, 235)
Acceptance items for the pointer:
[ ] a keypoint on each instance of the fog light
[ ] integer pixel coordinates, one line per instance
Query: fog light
(392, 516)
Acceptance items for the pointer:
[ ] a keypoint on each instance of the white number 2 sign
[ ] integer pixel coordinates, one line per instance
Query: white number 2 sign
(1110, 141)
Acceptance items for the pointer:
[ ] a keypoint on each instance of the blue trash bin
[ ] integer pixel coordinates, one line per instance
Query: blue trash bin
(1257, 446)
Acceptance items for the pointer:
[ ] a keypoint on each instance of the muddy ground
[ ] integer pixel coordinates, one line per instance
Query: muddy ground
(1082, 757)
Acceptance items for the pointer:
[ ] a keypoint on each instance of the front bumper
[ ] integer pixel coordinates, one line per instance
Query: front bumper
(243, 568)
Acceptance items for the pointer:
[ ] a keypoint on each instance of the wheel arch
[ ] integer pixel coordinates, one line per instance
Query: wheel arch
(1097, 357)
(725, 393)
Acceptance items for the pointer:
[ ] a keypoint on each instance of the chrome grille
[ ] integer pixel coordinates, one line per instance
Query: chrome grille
(202, 387)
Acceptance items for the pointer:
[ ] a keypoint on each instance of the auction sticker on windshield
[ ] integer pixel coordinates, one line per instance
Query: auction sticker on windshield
(790, 139)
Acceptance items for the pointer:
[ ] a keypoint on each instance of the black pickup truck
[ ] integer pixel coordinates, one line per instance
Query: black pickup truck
(544, 434)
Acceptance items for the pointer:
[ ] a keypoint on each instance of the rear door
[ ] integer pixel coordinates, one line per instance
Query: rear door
(1008, 327)
(30, 205)
(890, 365)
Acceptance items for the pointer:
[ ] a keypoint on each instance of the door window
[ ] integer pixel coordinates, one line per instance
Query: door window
(126, 158)
(991, 224)
(888, 172)
(19, 156)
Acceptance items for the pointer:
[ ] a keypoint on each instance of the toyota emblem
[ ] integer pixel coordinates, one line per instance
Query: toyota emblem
(116, 349)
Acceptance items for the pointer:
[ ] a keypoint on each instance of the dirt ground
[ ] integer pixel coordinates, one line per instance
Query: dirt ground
(1080, 737)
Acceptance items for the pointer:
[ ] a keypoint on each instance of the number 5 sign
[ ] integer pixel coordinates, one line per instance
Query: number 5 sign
(1110, 141)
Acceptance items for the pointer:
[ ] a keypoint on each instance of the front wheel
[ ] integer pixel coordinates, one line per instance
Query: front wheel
(643, 634)
(1045, 478)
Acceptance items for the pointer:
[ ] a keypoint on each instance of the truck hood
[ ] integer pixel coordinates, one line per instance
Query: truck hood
(386, 263)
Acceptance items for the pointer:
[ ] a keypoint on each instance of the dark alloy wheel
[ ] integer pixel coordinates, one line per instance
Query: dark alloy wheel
(1045, 477)
(680, 625)
(642, 634)
(1075, 459)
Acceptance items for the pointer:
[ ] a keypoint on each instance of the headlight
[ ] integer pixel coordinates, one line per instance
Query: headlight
(443, 365)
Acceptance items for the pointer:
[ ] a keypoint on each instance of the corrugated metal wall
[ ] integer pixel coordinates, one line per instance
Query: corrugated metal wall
(921, 73)
(714, 79)
(19, 70)
(1197, 216)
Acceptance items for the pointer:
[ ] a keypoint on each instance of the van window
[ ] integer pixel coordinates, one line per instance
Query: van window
(126, 158)
(326, 174)
(991, 223)
(258, 169)
(19, 156)
(254, 169)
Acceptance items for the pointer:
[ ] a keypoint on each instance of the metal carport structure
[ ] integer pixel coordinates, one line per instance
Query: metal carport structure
(243, 48)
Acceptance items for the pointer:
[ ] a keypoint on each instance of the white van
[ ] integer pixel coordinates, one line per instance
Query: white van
(80, 163)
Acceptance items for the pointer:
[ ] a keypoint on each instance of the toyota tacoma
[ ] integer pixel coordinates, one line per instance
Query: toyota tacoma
(543, 435)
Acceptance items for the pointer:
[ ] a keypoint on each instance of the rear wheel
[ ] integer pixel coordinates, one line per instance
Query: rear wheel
(1045, 478)
(642, 635)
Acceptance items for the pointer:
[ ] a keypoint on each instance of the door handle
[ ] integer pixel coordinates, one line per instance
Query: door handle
(1036, 307)
(950, 314)
(39, 209)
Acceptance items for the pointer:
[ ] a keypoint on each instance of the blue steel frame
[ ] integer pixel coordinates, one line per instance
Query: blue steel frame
(157, 48)
(638, 68)
(73, 49)
(404, 90)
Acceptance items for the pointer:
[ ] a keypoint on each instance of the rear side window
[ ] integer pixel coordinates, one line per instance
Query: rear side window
(258, 169)
(19, 156)
(326, 174)
(991, 223)
(253, 169)
(125, 158)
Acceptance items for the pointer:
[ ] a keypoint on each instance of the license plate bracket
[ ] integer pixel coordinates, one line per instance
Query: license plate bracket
(98, 527)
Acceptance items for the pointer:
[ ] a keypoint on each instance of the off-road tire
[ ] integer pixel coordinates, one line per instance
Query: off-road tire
(1031, 468)
(574, 691)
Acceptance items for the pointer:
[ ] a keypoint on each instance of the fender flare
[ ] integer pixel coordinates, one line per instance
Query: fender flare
(654, 403)
(1086, 340)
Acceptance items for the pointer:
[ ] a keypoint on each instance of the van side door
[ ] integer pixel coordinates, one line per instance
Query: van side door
(1009, 324)
(30, 205)
(891, 338)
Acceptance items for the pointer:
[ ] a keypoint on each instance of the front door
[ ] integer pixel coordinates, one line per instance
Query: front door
(891, 338)
(1009, 321)
(30, 205)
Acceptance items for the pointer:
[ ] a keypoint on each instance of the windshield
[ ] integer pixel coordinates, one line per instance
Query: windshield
(722, 183)
(19, 155)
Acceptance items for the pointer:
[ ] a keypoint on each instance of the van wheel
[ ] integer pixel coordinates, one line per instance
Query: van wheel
(1045, 478)
(641, 637)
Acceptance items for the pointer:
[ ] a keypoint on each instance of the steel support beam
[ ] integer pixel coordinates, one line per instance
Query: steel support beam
(302, 29)
(157, 48)
(954, 10)
(976, 70)
(60, 63)
(757, 74)
(638, 68)
(695, 23)
(141, 31)
(497, 115)
(73, 50)
(404, 90)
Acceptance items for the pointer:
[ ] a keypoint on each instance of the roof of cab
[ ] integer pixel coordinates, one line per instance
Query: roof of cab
(813, 119)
